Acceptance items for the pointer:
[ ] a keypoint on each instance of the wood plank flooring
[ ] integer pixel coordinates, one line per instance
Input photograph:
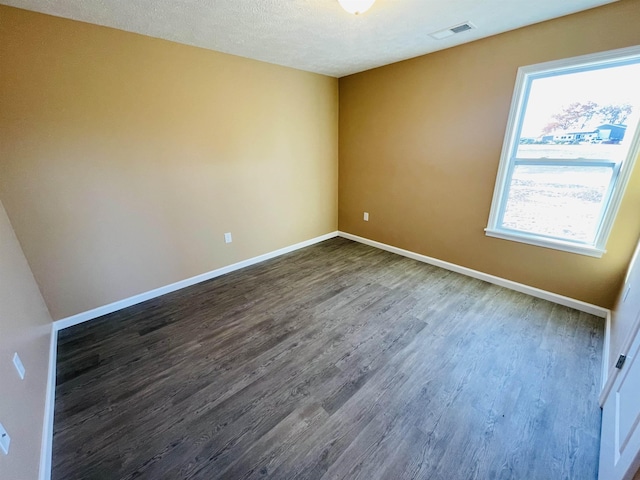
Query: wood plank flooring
(339, 361)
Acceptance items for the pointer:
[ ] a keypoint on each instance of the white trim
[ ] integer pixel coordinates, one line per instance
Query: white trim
(503, 282)
(127, 302)
(610, 56)
(47, 432)
(613, 371)
(47, 429)
(49, 408)
(612, 374)
(539, 241)
(499, 192)
(606, 349)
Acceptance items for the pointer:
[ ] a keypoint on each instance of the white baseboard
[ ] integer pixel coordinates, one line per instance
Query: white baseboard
(47, 431)
(608, 375)
(127, 302)
(503, 282)
(49, 408)
(47, 437)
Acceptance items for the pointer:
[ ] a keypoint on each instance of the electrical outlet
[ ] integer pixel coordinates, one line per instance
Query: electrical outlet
(5, 440)
(366, 216)
(227, 238)
(18, 364)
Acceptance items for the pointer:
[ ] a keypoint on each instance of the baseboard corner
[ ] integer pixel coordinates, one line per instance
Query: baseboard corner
(502, 282)
(142, 297)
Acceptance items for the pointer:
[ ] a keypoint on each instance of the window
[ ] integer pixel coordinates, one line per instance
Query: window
(570, 145)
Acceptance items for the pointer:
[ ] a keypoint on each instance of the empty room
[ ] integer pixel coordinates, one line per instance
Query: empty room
(319, 239)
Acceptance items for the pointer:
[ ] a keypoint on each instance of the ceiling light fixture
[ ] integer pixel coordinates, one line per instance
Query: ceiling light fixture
(356, 6)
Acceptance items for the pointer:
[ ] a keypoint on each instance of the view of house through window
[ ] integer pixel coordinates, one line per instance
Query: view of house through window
(569, 143)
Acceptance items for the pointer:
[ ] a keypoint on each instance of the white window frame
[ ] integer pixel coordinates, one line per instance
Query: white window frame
(508, 161)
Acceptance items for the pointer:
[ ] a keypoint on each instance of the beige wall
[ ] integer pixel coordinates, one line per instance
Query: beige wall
(124, 158)
(420, 144)
(25, 327)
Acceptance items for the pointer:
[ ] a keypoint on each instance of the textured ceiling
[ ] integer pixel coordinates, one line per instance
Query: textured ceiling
(313, 35)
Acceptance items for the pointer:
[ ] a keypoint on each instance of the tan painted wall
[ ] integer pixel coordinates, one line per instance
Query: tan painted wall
(420, 144)
(25, 327)
(124, 158)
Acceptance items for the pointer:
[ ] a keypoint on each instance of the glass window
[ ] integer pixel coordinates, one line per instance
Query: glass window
(570, 145)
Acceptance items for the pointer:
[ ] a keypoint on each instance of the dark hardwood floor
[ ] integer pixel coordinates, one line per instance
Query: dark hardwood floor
(338, 361)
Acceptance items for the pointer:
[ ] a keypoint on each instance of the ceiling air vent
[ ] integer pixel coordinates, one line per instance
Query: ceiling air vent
(447, 32)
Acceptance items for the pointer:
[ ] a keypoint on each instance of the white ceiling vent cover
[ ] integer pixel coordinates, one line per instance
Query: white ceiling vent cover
(447, 32)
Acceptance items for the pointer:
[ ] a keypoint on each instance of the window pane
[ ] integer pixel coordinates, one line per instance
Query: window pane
(558, 201)
(590, 114)
(569, 151)
(592, 152)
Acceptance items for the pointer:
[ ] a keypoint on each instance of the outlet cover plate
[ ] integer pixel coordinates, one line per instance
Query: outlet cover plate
(227, 238)
(5, 440)
(19, 366)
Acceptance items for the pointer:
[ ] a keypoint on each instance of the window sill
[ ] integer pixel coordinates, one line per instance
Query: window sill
(546, 243)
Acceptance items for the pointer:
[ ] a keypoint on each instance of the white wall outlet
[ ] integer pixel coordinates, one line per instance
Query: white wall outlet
(18, 364)
(366, 216)
(5, 440)
(227, 238)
